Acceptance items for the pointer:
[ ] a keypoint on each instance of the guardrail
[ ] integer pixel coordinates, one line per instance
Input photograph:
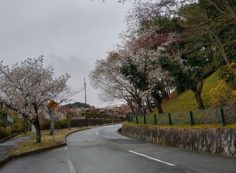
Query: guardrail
(224, 115)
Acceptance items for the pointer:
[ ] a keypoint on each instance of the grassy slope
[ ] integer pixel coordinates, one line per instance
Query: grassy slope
(179, 107)
(200, 126)
(47, 141)
(186, 101)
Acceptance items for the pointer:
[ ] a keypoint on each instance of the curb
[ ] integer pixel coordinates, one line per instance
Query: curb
(9, 137)
(10, 158)
(79, 130)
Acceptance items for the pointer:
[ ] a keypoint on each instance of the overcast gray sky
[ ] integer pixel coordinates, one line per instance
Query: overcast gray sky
(71, 34)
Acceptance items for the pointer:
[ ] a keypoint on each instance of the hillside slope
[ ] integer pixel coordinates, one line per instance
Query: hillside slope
(186, 101)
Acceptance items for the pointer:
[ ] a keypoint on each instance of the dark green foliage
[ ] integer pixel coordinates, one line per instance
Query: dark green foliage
(139, 78)
(5, 132)
(61, 124)
(3, 119)
(215, 24)
(78, 105)
(182, 78)
(137, 72)
(185, 76)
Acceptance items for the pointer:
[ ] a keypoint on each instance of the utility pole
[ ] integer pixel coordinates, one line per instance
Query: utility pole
(85, 100)
(85, 94)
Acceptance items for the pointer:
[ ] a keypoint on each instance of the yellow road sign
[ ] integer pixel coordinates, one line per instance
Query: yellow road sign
(52, 104)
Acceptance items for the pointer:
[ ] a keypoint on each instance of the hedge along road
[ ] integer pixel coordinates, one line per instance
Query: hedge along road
(103, 150)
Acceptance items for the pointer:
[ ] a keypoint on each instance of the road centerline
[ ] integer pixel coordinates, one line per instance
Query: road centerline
(71, 166)
(151, 158)
(69, 162)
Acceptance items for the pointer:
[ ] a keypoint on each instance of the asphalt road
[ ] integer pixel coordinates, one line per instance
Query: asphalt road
(103, 150)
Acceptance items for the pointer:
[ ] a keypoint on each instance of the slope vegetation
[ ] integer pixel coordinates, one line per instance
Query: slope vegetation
(186, 101)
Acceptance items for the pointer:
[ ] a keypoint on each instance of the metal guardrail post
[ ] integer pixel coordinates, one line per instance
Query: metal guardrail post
(191, 118)
(155, 119)
(222, 116)
(170, 120)
(131, 119)
(127, 117)
(144, 119)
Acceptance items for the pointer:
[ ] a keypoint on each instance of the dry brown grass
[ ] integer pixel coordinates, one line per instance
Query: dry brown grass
(47, 141)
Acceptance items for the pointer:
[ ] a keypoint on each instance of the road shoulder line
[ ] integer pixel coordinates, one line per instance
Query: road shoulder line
(151, 158)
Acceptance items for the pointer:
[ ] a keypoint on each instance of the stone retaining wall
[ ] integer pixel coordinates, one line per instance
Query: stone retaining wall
(213, 140)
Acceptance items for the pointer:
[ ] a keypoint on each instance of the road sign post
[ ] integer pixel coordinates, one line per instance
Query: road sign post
(51, 106)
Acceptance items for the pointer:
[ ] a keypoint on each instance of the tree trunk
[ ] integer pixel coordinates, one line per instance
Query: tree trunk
(38, 131)
(158, 102)
(149, 105)
(69, 125)
(159, 108)
(131, 106)
(199, 101)
(166, 94)
(51, 123)
(51, 127)
(139, 106)
(197, 93)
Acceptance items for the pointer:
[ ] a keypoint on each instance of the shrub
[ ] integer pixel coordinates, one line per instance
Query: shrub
(2, 132)
(63, 123)
(220, 94)
(18, 126)
(228, 74)
(5, 132)
(233, 97)
(45, 124)
(8, 131)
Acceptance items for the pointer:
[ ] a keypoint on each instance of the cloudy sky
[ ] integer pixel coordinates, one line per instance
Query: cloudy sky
(71, 34)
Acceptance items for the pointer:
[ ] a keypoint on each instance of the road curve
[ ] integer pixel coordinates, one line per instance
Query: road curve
(103, 150)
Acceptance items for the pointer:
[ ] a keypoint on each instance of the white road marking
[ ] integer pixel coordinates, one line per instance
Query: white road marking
(151, 158)
(97, 133)
(69, 162)
(72, 168)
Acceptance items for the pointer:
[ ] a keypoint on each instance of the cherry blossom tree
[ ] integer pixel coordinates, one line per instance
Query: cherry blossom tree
(27, 87)
(159, 26)
(107, 78)
(141, 68)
